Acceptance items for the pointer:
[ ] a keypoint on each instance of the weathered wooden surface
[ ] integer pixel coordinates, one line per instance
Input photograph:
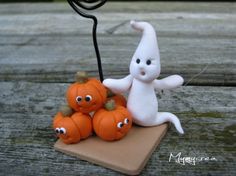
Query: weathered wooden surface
(207, 114)
(43, 45)
(48, 44)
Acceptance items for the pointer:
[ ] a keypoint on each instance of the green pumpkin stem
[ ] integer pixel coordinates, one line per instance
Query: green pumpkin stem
(66, 110)
(110, 93)
(110, 105)
(81, 77)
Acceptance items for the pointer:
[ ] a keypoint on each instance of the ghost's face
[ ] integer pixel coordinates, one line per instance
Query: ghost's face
(145, 69)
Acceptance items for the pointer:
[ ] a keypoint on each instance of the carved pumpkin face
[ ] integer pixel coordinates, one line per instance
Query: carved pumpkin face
(112, 124)
(72, 129)
(86, 97)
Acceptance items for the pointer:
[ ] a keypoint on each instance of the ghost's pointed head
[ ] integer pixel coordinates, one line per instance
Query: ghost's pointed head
(145, 63)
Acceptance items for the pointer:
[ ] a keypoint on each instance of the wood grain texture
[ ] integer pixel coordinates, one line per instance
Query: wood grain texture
(42, 45)
(53, 42)
(27, 148)
(205, 7)
(46, 98)
(27, 139)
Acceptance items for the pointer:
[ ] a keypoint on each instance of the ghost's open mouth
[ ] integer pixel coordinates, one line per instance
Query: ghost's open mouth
(143, 73)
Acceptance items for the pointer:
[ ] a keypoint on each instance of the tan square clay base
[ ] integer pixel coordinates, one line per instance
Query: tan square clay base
(128, 155)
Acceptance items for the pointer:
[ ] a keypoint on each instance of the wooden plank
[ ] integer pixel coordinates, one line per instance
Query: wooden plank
(50, 46)
(205, 7)
(27, 147)
(207, 115)
(128, 155)
(182, 23)
(55, 58)
(46, 98)
(193, 37)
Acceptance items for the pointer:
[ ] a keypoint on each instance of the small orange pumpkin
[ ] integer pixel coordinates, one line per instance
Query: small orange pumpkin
(72, 128)
(112, 122)
(86, 94)
(118, 98)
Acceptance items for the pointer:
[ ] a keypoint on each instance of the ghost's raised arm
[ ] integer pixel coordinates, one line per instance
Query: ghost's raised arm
(169, 82)
(119, 85)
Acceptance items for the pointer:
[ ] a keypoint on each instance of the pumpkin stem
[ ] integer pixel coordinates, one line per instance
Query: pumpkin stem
(66, 110)
(81, 77)
(110, 93)
(110, 105)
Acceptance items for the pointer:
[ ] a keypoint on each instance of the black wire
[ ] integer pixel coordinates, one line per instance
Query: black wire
(91, 5)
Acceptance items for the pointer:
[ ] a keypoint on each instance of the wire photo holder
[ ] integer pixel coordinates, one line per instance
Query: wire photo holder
(80, 6)
(136, 147)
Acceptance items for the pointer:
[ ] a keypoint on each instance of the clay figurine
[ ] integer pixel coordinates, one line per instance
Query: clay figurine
(86, 94)
(141, 82)
(112, 122)
(70, 126)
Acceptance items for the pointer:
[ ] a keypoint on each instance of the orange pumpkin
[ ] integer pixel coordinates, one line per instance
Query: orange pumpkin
(118, 98)
(86, 94)
(112, 122)
(71, 129)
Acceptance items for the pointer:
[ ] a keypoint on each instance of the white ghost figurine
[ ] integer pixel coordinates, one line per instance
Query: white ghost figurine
(141, 82)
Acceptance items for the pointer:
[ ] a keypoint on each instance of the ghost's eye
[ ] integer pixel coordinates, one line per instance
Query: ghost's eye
(57, 130)
(88, 98)
(120, 124)
(137, 61)
(148, 62)
(78, 99)
(126, 121)
(62, 131)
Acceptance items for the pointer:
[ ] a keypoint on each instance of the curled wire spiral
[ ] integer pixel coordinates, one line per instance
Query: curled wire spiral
(77, 5)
